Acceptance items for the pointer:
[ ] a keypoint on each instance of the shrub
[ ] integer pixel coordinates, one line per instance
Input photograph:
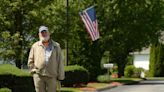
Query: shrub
(21, 81)
(5, 90)
(6, 69)
(129, 71)
(147, 74)
(75, 74)
(103, 78)
(137, 72)
(16, 79)
(132, 71)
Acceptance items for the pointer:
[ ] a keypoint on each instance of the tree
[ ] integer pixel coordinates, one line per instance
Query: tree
(7, 44)
(129, 26)
(156, 60)
(125, 26)
(24, 17)
(82, 50)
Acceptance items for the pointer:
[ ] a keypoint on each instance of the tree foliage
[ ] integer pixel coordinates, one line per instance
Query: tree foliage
(125, 26)
(128, 26)
(25, 17)
(156, 60)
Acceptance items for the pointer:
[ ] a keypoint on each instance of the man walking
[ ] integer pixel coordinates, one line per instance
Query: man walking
(45, 62)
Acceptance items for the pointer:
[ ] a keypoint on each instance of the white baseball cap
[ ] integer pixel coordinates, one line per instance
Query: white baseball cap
(43, 28)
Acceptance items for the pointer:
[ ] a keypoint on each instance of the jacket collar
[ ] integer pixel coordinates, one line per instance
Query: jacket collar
(51, 41)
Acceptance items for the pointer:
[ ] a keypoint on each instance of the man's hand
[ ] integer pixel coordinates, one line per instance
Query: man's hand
(33, 71)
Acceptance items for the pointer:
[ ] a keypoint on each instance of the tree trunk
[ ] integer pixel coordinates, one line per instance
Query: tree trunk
(18, 28)
(18, 63)
(121, 68)
(121, 63)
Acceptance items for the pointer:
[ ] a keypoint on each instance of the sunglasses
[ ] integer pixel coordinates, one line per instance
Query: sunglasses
(43, 31)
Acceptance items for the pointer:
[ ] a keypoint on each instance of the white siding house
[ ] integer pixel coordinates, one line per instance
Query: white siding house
(141, 59)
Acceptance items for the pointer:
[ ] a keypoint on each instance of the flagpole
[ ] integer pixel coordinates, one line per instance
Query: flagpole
(67, 29)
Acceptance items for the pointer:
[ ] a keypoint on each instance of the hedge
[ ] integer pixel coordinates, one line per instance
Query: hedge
(6, 69)
(16, 79)
(5, 90)
(21, 81)
(74, 75)
(104, 79)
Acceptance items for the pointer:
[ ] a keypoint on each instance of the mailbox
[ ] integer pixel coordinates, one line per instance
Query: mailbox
(109, 65)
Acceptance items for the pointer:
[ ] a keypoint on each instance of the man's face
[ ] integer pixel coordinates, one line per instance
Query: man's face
(44, 33)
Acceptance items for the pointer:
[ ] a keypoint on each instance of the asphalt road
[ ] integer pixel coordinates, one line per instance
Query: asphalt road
(143, 86)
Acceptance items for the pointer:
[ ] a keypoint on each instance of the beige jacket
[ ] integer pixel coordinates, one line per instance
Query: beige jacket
(37, 64)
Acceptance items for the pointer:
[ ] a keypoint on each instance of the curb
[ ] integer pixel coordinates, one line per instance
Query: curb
(109, 87)
(101, 89)
(132, 83)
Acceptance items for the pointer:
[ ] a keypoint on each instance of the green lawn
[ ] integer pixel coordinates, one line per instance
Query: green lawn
(98, 85)
(102, 85)
(126, 80)
(68, 89)
(155, 78)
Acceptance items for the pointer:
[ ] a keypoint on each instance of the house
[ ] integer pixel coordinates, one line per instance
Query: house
(141, 59)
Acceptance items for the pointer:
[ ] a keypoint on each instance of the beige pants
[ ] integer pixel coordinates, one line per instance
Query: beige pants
(44, 84)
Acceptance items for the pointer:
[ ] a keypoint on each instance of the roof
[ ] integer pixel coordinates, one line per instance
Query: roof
(144, 51)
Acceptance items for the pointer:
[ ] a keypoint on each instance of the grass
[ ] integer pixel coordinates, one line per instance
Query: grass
(74, 67)
(155, 78)
(98, 85)
(67, 89)
(6, 69)
(126, 80)
(102, 85)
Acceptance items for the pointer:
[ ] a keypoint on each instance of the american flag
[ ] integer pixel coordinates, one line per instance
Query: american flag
(88, 16)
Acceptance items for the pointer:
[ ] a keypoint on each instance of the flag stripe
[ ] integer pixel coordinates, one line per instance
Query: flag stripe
(88, 16)
(91, 33)
(87, 27)
(95, 26)
(91, 24)
(97, 31)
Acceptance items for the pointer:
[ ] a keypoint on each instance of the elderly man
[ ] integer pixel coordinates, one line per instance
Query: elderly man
(45, 62)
